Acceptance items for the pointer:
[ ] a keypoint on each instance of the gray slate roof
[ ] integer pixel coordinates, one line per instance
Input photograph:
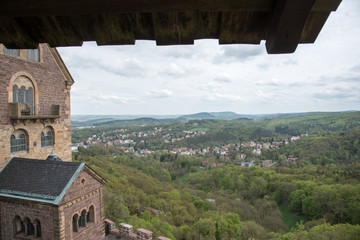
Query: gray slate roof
(38, 180)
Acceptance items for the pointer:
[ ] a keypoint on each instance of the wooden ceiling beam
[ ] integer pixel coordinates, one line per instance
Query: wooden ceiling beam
(174, 28)
(23, 8)
(287, 25)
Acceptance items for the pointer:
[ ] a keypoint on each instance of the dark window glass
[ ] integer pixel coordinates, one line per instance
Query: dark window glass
(75, 223)
(22, 227)
(82, 219)
(38, 230)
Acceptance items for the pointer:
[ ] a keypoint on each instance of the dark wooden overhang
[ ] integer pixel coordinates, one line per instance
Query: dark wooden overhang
(283, 24)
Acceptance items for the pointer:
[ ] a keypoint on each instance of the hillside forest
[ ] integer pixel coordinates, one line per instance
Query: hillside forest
(311, 189)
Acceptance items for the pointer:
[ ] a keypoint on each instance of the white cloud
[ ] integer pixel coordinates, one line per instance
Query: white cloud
(159, 93)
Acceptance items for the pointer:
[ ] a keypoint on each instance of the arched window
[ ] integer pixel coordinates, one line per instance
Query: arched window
(82, 219)
(23, 90)
(28, 227)
(75, 223)
(90, 215)
(37, 228)
(18, 226)
(47, 138)
(19, 143)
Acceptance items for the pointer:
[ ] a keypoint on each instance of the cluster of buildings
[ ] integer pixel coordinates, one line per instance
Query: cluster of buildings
(118, 137)
(188, 134)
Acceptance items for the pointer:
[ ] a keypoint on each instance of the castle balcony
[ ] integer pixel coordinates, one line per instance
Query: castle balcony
(23, 111)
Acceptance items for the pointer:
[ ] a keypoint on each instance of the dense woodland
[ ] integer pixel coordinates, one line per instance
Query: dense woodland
(172, 195)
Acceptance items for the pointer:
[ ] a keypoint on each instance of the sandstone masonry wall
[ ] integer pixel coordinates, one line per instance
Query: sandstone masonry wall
(51, 88)
(45, 213)
(84, 192)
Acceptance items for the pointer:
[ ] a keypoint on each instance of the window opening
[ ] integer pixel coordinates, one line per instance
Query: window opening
(14, 52)
(46, 139)
(90, 214)
(75, 223)
(33, 54)
(18, 144)
(38, 228)
(82, 219)
(23, 95)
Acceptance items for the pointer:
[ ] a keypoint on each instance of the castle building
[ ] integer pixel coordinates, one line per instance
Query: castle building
(34, 104)
(43, 194)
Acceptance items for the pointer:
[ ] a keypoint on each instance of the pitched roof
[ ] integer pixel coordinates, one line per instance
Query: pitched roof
(38, 180)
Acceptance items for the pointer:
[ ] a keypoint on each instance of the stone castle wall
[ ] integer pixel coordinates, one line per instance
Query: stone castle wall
(50, 88)
(45, 213)
(84, 192)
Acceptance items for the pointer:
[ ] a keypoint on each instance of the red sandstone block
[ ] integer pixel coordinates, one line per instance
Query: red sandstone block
(163, 238)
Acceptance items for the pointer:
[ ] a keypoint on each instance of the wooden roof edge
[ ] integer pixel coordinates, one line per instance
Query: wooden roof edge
(22, 8)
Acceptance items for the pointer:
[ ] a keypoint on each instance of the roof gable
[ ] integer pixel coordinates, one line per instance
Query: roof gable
(38, 180)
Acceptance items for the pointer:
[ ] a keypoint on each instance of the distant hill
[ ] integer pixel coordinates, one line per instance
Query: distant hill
(135, 122)
(202, 115)
(304, 122)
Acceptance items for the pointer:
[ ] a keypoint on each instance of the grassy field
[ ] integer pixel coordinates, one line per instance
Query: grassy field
(290, 219)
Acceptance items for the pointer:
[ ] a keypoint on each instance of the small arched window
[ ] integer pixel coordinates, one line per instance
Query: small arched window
(47, 138)
(75, 223)
(37, 228)
(29, 227)
(90, 215)
(82, 219)
(19, 143)
(18, 226)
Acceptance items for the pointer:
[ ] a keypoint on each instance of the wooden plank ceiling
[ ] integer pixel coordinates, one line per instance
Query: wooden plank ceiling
(283, 24)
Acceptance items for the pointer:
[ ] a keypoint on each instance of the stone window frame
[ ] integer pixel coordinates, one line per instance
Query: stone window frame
(47, 137)
(19, 141)
(15, 79)
(26, 229)
(83, 219)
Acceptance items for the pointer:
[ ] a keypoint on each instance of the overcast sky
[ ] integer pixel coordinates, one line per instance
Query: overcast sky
(149, 79)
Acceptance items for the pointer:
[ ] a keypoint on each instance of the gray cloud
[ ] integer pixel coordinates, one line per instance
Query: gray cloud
(238, 53)
(222, 79)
